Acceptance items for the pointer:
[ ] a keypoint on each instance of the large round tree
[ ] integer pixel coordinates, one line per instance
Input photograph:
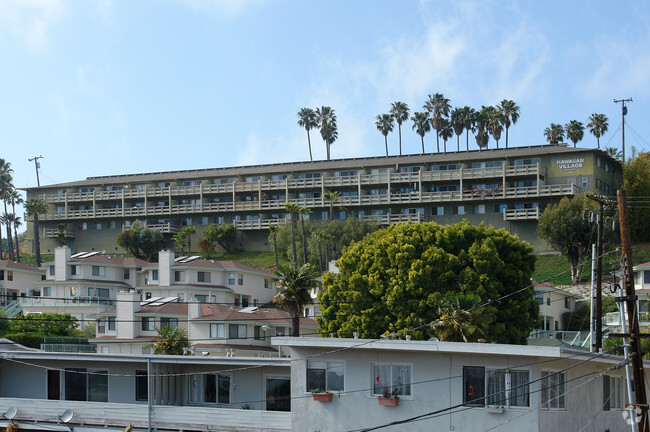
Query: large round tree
(396, 279)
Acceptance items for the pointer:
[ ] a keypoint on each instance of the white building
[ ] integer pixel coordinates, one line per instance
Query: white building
(553, 303)
(452, 386)
(641, 275)
(17, 280)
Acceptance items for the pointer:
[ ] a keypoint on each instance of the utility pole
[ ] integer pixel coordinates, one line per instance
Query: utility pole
(624, 113)
(632, 314)
(598, 343)
(37, 165)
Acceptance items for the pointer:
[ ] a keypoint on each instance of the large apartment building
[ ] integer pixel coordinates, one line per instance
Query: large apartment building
(506, 188)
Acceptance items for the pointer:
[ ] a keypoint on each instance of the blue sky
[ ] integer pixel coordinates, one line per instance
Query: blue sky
(108, 86)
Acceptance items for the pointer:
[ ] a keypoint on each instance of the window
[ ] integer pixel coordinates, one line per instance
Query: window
(201, 298)
(105, 350)
(53, 384)
(52, 270)
(83, 385)
(231, 278)
(479, 209)
(504, 387)
(499, 208)
(217, 331)
(179, 276)
(10, 275)
(148, 323)
(47, 291)
(388, 377)
(325, 375)
(438, 211)
(168, 322)
(539, 297)
(585, 181)
(240, 279)
(611, 393)
(181, 297)
(567, 303)
(75, 270)
(258, 334)
(127, 274)
(646, 277)
(458, 210)
(101, 327)
(2, 274)
(237, 331)
(154, 275)
(267, 282)
(111, 323)
(99, 271)
(141, 385)
(83, 226)
(210, 388)
(203, 276)
(97, 226)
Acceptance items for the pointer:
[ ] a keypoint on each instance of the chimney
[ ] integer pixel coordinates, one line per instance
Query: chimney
(128, 303)
(61, 259)
(165, 264)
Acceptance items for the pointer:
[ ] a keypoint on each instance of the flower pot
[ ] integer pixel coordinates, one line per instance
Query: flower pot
(388, 401)
(322, 397)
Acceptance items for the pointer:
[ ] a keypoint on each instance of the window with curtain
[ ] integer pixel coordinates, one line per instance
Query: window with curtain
(388, 377)
(553, 390)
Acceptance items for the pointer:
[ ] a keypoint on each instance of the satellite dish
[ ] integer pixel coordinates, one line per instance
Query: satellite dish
(11, 413)
(66, 416)
(434, 339)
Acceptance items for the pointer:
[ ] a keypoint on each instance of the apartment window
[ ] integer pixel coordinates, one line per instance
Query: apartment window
(52, 270)
(267, 282)
(168, 322)
(97, 226)
(186, 221)
(73, 291)
(201, 298)
(539, 297)
(325, 375)
(84, 385)
(479, 209)
(99, 271)
(231, 278)
(504, 387)
(10, 275)
(154, 275)
(646, 277)
(527, 161)
(75, 270)
(499, 208)
(240, 279)
(217, 331)
(258, 333)
(585, 181)
(237, 331)
(203, 276)
(458, 210)
(111, 323)
(179, 276)
(83, 226)
(567, 303)
(612, 399)
(47, 291)
(101, 327)
(390, 377)
(148, 323)
(53, 384)
(210, 388)
(127, 274)
(112, 225)
(438, 211)
(2, 274)
(141, 385)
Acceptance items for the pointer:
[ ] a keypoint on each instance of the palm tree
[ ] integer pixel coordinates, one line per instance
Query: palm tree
(187, 232)
(302, 211)
(466, 118)
(614, 152)
(598, 124)
(575, 131)
(17, 224)
(294, 284)
(554, 134)
(5, 219)
(273, 230)
(400, 112)
(421, 125)
(171, 340)
(179, 242)
(307, 119)
(439, 107)
(16, 198)
(457, 124)
(34, 208)
(496, 120)
(446, 132)
(481, 127)
(292, 208)
(384, 125)
(320, 237)
(332, 198)
(326, 119)
(460, 319)
(6, 185)
(510, 112)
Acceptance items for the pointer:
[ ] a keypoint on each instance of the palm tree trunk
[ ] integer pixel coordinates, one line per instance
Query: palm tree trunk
(328, 150)
(457, 142)
(275, 248)
(422, 136)
(16, 240)
(9, 240)
(386, 140)
(1, 256)
(327, 254)
(37, 241)
(304, 239)
(293, 240)
(506, 136)
(467, 139)
(445, 145)
(295, 324)
(399, 126)
(437, 140)
(320, 257)
(331, 210)
(497, 143)
(309, 142)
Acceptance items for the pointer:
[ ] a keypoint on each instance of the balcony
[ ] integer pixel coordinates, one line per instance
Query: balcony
(71, 301)
(163, 417)
(390, 219)
(521, 214)
(54, 233)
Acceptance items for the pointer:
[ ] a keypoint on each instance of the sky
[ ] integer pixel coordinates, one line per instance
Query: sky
(103, 87)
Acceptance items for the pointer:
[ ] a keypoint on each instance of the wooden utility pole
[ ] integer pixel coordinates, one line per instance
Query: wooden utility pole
(624, 113)
(37, 165)
(632, 313)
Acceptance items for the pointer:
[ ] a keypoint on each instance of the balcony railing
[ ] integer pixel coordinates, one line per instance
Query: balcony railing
(54, 233)
(70, 301)
(390, 219)
(163, 417)
(521, 214)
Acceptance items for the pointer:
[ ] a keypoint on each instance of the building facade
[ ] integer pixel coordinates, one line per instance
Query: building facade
(501, 187)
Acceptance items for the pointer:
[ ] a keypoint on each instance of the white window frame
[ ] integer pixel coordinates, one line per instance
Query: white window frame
(553, 393)
(375, 379)
(329, 365)
(217, 331)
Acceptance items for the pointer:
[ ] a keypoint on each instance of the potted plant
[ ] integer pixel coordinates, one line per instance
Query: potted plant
(389, 398)
(321, 395)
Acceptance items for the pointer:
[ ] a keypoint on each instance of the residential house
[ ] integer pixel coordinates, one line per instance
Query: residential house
(553, 304)
(17, 280)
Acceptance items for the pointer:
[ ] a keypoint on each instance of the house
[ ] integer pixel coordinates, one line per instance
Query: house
(17, 280)
(553, 303)
(641, 276)
(507, 188)
(84, 392)
(452, 386)
(211, 328)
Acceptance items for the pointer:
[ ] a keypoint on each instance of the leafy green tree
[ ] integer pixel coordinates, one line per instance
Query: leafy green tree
(636, 182)
(394, 280)
(575, 131)
(307, 120)
(46, 324)
(294, 283)
(510, 112)
(326, 119)
(400, 112)
(554, 134)
(184, 238)
(459, 319)
(598, 124)
(222, 234)
(142, 242)
(564, 227)
(421, 125)
(384, 125)
(438, 106)
(171, 340)
(36, 207)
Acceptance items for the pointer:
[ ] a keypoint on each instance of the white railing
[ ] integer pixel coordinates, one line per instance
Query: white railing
(521, 214)
(71, 301)
(390, 219)
(163, 417)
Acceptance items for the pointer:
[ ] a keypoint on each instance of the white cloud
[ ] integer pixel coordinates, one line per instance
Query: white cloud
(226, 8)
(31, 20)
